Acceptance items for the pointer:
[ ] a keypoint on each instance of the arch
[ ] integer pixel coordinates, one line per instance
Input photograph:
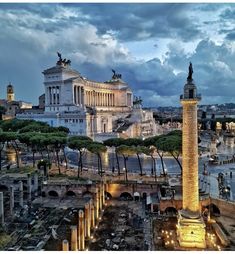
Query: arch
(108, 196)
(87, 194)
(53, 194)
(3, 188)
(44, 194)
(171, 210)
(126, 196)
(70, 193)
(214, 209)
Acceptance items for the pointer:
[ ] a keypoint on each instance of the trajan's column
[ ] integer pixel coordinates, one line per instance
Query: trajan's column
(190, 227)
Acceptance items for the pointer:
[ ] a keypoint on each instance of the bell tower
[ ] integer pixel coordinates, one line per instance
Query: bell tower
(10, 92)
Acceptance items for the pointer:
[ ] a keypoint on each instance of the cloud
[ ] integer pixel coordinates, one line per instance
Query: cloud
(99, 37)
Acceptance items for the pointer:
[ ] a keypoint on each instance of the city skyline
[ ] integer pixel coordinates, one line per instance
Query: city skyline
(149, 44)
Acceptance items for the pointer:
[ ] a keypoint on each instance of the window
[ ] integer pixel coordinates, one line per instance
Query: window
(190, 93)
(66, 120)
(80, 120)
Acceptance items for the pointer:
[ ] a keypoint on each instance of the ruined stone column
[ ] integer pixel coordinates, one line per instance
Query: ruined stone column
(96, 202)
(1, 208)
(103, 193)
(65, 245)
(29, 190)
(74, 238)
(81, 233)
(87, 221)
(36, 183)
(12, 201)
(21, 194)
(92, 216)
(100, 198)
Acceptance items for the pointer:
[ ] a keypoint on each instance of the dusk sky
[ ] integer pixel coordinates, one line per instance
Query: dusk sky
(149, 44)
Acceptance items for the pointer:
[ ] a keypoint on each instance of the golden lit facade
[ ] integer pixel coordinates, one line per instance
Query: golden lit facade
(190, 227)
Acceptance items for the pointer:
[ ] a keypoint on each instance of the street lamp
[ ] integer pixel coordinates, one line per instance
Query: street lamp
(125, 171)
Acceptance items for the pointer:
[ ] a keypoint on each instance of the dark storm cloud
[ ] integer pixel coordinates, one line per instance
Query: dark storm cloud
(231, 36)
(139, 22)
(129, 21)
(93, 37)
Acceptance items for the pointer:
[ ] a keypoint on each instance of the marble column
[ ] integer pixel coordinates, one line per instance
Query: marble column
(50, 97)
(74, 238)
(80, 95)
(81, 232)
(65, 245)
(1, 208)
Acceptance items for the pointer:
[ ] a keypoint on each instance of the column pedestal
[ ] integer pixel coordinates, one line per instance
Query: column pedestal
(191, 231)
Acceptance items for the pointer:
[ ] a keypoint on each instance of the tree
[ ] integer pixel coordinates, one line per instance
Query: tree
(150, 151)
(58, 143)
(115, 142)
(2, 111)
(126, 151)
(36, 145)
(98, 149)
(173, 145)
(79, 143)
(153, 141)
(136, 143)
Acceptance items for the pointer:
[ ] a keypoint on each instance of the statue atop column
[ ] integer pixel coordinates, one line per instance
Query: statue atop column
(190, 72)
(63, 62)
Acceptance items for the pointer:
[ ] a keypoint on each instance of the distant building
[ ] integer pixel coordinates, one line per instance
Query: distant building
(12, 107)
(88, 107)
(41, 101)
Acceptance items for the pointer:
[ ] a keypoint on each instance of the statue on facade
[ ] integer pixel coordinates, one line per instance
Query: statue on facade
(190, 71)
(64, 61)
(137, 101)
(116, 75)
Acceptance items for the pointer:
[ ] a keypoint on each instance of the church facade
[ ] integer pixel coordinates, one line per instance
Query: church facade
(85, 107)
